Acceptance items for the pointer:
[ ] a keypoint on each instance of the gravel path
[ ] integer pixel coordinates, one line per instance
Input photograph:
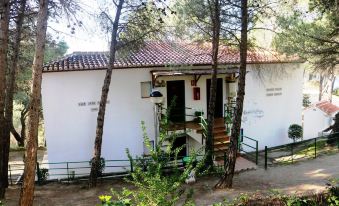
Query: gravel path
(303, 177)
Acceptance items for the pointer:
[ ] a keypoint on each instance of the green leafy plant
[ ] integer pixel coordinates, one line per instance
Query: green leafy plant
(43, 175)
(295, 132)
(333, 188)
(157, 179)
(101, 166)
(306, 100)
(336, 92)
(198, 115)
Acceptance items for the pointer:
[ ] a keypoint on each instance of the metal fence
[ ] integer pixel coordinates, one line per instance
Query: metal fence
(301, 150)
(249, 147)
(78, 170)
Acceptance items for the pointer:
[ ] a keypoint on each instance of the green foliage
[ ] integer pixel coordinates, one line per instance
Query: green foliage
(306, 100)
(295, 132)
(43, 175)
(157, 179)
(101, 166)
(310, 34)
(328, 198)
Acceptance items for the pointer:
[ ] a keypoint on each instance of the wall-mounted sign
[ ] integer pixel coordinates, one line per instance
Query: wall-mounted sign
(92, 104)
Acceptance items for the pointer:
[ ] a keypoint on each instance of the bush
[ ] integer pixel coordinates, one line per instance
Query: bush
(295, 132)
(327, 198)
(157, 180)
(101, 166)
(306, 100)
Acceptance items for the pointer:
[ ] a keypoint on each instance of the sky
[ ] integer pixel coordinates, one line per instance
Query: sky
(88, 37)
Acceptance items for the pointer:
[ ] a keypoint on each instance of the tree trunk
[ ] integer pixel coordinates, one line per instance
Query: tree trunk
(227, 179)
(215, 17)
(11, 84)
(321, 84)
(27, 190)
(331, 88)
(4, 23)
(20, 138)
(104, 93)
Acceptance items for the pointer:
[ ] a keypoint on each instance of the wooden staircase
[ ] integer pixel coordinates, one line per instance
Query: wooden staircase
(221, 140)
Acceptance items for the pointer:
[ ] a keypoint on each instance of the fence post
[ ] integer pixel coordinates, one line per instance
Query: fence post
(265, 157)
(241, 138)
(131, 165)
(38, 172)
(292, 151)
(67, 172)
(256, 152)
(10, 173)
(315, 147)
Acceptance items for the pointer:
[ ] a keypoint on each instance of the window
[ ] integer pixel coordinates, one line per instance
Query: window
(146, 89)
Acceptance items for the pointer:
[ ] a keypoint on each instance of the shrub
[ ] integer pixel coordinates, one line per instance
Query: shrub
(101, 166)
(43, 175)
(295, 132)
(327, 198)
(306, 100)
(157, 179)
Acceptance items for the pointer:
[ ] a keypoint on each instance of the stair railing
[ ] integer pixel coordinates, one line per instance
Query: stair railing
(254, 145)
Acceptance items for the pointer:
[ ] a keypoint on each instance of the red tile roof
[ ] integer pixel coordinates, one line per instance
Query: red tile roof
(160, 54)
(327, 107)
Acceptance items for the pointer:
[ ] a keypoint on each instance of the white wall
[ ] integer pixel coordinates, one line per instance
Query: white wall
(267, 118)
(70, 128)
(315, 121)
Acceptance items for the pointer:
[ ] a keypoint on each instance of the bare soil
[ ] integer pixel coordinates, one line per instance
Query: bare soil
(304, 177)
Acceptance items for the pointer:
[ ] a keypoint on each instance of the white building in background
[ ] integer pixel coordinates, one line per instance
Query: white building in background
(318, 117)
(71, 89)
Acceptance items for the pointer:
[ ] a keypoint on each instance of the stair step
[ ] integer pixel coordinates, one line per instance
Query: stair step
(219, 120)
(221, 137)
(221, 141)
(215, 130)
(219, 153)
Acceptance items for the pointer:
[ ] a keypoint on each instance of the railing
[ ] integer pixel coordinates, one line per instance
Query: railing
(203, 125)
(229, 110)
(76, 170)
(68, 171)
(301, 150)
(254, 146)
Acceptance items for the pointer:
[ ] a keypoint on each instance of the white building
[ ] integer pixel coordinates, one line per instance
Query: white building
(71, 89)
(318, 117)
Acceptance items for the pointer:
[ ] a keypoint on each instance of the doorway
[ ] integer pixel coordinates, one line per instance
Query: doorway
(180, 142)
(218, 113)
(176, 100)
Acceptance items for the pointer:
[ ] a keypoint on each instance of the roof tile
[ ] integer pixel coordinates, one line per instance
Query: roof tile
(160, 54)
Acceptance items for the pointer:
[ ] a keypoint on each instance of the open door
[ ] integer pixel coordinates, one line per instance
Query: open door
(176, 91)
(219, 98)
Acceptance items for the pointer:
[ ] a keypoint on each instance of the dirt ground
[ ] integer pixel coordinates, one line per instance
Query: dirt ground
(304, 177)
